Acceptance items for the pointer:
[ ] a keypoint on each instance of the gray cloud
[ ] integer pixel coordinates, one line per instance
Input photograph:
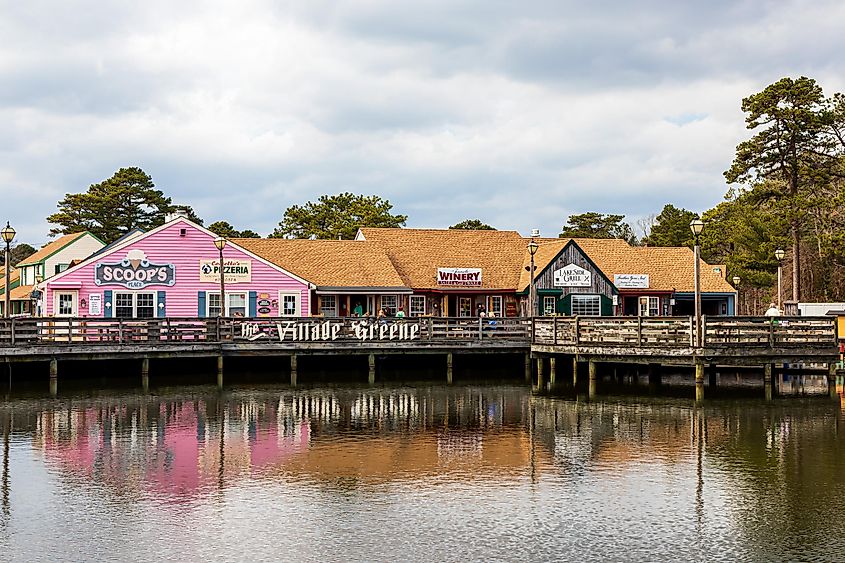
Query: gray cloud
(516, 113)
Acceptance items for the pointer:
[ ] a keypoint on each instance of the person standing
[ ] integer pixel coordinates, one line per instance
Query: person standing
(772, 311)
(400, 314)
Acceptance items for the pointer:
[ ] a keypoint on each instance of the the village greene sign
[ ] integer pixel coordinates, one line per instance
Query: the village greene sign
(330, 331)
(134, 272)
(572, 276)
(470, 277)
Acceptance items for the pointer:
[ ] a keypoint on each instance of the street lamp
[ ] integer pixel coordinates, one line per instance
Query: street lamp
(532, 294)
(696, 226)
(779, 254)
(736, 280)
(220, 243)
(8, 234)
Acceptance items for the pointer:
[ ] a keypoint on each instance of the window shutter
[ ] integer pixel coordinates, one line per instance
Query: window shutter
(253, 299)
(201, 304)
(565, 305)
(606, 306)
(161, 304)
(107, 304)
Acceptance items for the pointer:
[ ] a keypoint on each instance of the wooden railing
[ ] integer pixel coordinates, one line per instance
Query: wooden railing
(55, 331)
(679, 332)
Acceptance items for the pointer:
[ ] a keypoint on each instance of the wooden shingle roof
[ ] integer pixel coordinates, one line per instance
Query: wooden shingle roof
(329, 263)
(51, 248)
(418, 253)
(668, 268)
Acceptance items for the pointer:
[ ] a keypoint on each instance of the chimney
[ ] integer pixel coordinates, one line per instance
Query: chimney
(535, 233)
(175, 214)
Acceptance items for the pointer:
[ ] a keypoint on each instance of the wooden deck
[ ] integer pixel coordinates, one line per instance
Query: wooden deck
(32, 339)
(671, 340)
(666, 340)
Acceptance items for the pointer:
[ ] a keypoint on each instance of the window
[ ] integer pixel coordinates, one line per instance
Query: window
(289, 304)
(549, 305)
(417, 305)
(236, 305)
(495, 309)
(465, 307)
(123, 306)
(64, 307)
(60, 268)
(388, 303)
(588, 305)
(328, 305)
(128, 305)
(649, 306)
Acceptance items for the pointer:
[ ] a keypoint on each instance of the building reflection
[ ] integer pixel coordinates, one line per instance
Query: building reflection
(780, 463)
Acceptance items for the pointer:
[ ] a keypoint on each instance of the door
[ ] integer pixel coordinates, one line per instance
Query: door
(66, 303)
(465, 306)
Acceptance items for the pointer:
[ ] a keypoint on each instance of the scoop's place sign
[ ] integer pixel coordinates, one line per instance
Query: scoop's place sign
(134, 272)
(467, 277)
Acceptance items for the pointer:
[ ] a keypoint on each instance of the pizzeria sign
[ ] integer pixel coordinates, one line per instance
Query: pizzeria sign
(234, 271)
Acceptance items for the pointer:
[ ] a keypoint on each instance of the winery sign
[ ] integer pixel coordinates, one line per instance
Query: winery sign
(468, 277)
(134, 272)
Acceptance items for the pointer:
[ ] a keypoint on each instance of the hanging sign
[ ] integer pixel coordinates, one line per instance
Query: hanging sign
(630, 281)
(95, 304)
(468, 277)
(573, 276)
(134, 272)
(234, 271)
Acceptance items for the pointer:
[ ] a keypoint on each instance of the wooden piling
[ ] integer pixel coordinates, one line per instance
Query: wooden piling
(831, 381)
(220, 370)
(145, 374)
(449, 368)
(54, 386)
(54, 368)
(699, 381)
(540, 373)
(767, 381)
(593, 374)
(293, 371)
(552, 371)
(575, 371)
(371, 362)
(528, 376)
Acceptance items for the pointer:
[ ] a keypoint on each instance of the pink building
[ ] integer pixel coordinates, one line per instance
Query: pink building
(173, 271)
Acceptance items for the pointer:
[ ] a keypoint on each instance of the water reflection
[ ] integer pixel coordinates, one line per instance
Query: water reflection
(449, 473)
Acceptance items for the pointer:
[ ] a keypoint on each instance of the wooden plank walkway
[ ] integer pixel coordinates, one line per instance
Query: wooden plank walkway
(671, 340)
(667, 340)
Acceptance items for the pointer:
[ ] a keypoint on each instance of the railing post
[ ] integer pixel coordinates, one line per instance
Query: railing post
(167, 336)
(577, 330)
(12, 331)
(692, 332)
(772, 332)
(430, 327)
(703, 338)
(533, 331)
(639, 331)
(480, 328)
(217, 328)
(554, 328)
(70, 329)
(120, 331)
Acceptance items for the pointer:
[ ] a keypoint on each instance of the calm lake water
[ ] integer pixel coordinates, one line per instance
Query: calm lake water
(424, 473)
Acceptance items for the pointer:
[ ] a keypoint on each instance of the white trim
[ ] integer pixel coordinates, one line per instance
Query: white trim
(74, 306)
(411, 312)
(228, 303)
(458, 303)
(160, 228)
(297, 295)
(135, 295)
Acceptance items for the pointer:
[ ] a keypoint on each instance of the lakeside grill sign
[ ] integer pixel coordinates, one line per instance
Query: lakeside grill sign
(467, 277)
(134, 272)
(234, 271)
(572, 276)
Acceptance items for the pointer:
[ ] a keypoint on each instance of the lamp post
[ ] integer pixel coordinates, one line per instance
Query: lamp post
(8, 234)
(220, 243)
(696, 226)
(736, 280)
(532, 294)
(779, 254)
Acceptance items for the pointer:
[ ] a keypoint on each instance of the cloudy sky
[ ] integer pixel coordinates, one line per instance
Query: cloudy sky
(515, 112)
